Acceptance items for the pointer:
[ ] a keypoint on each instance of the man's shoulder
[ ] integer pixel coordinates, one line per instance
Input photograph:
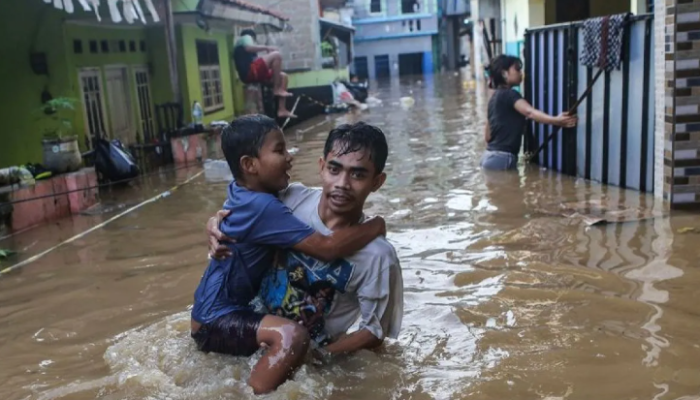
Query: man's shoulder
(297, 194)
(380, 249)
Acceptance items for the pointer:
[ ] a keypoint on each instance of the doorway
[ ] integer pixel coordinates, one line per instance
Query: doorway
(571, 11)
(119, 104)
(411, 64)
(361, 67)
(382, 69)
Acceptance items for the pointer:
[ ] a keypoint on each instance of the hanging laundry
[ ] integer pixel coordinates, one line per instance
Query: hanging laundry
(139, 11)
(152, 10)
(85, 5)
(96, 7)
(114, 11)
(129, 11)
(68, 6)
(602, 41)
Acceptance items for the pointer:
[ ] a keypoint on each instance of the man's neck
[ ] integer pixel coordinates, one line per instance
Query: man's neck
(334, 221)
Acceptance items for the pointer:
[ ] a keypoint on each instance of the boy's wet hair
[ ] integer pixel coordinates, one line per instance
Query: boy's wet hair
(245, 137)
(498, 66)
(249, 32)
(351, 138)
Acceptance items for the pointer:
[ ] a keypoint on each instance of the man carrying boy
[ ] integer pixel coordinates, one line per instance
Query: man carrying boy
(367, 284)
(222, 319)
(265, 69)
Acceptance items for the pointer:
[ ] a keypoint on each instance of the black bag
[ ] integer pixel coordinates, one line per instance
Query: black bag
(114, 162)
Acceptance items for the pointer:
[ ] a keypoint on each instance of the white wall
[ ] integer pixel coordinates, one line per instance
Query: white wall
(515, 19)
(528, 13)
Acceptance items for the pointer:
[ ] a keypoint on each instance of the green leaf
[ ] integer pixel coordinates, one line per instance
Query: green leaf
(6, 253)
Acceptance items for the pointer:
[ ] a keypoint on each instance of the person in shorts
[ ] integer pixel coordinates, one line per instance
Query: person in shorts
(266, 69)
(223, 320)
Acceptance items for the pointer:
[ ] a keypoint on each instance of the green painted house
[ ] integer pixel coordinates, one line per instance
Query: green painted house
(118, 72)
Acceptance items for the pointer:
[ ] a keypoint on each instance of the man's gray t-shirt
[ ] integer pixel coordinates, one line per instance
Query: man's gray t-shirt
(371, 278)
(505, 122)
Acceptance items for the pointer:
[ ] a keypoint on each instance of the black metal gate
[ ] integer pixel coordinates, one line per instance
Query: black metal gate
(613, 143)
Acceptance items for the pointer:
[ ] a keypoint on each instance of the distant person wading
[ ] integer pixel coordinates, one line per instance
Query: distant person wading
(507, 114)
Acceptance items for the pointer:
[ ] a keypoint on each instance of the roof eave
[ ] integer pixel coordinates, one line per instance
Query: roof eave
(219, 10)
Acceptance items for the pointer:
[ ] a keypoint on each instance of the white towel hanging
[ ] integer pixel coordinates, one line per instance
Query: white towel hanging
(139, 11)
(129, 11)
(68, 6)
(85, 5)
(152, 10)
(114, 11)
(96, 7)
(58, 4)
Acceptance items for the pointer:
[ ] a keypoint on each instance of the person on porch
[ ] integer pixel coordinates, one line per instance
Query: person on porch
(264, 69)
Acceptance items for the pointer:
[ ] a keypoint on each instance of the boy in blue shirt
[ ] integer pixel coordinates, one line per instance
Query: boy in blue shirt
(222, 317)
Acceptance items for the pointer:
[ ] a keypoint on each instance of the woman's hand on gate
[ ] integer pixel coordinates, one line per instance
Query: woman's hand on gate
(566, 121)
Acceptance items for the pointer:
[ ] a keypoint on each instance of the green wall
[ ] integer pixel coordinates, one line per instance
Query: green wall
(20, 88)
(41, 28)
(158, 62)
(114, 57)
(187, 36)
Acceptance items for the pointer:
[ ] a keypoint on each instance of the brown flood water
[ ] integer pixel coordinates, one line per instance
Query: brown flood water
(502, 300)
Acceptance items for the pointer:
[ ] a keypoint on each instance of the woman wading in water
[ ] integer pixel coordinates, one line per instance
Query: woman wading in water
(507, 113)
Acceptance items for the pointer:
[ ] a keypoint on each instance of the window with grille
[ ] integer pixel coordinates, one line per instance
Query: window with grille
(91, 89)
(210, 75)
(143, 92)
(409, 6)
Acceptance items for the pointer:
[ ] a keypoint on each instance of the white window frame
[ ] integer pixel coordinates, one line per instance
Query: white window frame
(144, 119)
(93, 72)
(216, 94)
(210, 81)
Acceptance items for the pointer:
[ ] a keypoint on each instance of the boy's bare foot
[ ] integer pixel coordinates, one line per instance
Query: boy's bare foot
(285, 114)
(282, 94)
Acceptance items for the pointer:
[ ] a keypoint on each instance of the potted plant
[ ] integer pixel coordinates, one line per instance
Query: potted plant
(60, 144)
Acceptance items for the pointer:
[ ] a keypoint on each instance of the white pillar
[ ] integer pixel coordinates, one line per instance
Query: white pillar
(478, 42)
(660, 65)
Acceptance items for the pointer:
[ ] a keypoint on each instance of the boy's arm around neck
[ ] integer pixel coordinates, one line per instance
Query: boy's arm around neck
(344, 242)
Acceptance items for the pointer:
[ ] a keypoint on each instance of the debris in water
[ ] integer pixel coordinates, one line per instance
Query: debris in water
(689, 229)
(407, 102)
(598, 212)
(373, 101)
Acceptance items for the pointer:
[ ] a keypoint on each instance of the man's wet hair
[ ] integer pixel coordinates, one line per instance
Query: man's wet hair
(245, 137)
(249, 32)
(351, 138)
(498, 66)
